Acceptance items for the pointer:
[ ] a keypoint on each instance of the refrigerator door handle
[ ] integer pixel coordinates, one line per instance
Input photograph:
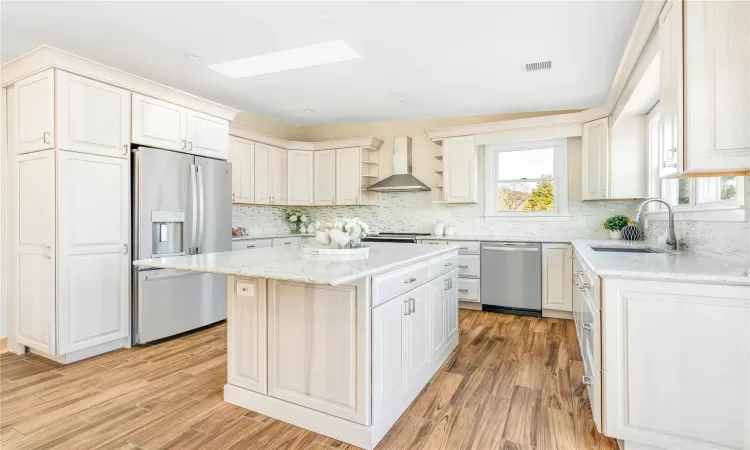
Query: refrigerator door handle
(194, 208)
(201, 209)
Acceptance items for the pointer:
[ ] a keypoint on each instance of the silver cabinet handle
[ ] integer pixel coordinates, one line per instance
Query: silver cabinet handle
(447, 264)
(586, 380)
(463, 267)
(410, 280)
(190, 146)
(463, 290)
(233, 197)
(48, 251)
(184, 144)
(125, 249)
(124, 149)
(463, 248)
(287, 242)
(250, 246)
(604, 192)
(586, 326)
(45, 137)
(406, 307)
(586, 286)
(412, 305)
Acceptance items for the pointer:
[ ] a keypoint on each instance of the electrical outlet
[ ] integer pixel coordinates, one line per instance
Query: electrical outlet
(582, 222)
(476, 222)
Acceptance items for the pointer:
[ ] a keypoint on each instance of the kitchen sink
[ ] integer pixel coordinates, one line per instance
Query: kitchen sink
(624, 249)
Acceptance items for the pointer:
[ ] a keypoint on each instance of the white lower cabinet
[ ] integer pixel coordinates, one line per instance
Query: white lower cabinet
(71, 294)
(557, 277)
(246, 340)
(450, 299)
(389, 359)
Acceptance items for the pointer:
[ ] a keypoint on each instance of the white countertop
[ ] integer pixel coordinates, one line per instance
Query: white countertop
(269, 236)
(493, 237)
(666, 266)
(288, 263)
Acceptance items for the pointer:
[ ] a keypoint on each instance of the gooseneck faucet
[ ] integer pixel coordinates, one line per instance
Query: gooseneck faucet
(671, 237)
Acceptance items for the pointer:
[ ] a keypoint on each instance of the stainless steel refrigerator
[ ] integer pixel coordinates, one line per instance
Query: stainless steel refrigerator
(181, 206)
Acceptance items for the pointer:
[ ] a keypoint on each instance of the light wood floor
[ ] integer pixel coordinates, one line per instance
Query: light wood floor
(512, 384)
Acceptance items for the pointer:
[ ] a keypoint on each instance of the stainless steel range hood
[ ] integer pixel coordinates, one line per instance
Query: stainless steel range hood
(402, 180)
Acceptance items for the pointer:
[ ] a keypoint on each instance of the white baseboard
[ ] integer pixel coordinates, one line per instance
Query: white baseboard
(86, 352)
(555, 314)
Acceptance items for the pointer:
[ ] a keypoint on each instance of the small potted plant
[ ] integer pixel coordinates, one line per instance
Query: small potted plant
(615, 224)
(296, 219)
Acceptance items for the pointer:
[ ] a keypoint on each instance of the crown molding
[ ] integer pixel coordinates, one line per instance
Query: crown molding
(367, 141)
(645, 22)
(46, 57)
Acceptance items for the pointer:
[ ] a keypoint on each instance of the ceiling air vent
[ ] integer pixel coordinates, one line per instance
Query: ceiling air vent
(543, 65)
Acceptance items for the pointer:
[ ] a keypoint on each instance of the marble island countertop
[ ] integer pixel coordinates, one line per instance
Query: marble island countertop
(290, 264)
(665, 265)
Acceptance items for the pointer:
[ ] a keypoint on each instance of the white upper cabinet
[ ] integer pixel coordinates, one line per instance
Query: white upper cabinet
(270, 168)
(160, 124)
(717, 85)
(324, 177)
(557, 277)
(460, 170)
(242, 157)
(207, 135)
(594, 160)
(93, 117)
(93, 249)
(33, 101)
(300, 177)
(348, 182)
(33, 262)
(671, 89)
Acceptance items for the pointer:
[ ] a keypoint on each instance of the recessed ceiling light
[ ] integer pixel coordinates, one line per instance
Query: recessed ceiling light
(192, 56)
(406, 101)
(308, 110)
(295, 58)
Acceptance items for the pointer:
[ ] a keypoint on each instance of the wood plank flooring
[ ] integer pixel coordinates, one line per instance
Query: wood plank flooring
(512, 384)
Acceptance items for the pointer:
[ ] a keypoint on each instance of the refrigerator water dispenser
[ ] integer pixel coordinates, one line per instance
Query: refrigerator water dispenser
(166, 233)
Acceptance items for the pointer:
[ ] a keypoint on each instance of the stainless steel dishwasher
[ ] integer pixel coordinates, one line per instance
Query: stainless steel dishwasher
(511, 277)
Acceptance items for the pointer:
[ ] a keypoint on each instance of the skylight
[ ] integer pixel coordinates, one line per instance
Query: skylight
(295, 58)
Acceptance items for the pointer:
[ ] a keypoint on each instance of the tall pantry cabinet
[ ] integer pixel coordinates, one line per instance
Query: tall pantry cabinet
(69, 214)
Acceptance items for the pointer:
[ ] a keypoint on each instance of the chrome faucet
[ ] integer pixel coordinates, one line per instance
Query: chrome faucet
(671, 237)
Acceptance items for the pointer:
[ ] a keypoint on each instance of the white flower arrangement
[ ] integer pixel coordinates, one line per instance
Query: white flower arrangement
(295, 217)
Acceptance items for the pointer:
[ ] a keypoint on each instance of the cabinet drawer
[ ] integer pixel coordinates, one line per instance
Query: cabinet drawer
(468, 290)
(251, 244)
(442, 265)
(278, 242)
(468, 266)
(592, 378)
(392, 284)
(466, 247)
(590, 335)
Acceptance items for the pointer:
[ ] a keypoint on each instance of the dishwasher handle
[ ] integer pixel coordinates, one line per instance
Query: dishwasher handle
(511, 249)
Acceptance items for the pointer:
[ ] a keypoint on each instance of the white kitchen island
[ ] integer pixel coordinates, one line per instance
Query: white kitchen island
(340, 348)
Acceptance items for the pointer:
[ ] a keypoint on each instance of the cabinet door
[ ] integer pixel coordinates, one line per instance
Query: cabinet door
(94, 254)
(242, 157)
(33, 204)
(418, 335)
(246, 344)
(460, 170)
(671, 87)
(348, 182)
(595, 160)
(450, 299)
(557, 277)
(388, 359)
(207, 135)
(317, 348)
(325, 177)
(34, 101)
(300, 177)
(157, 123)
(261, 169)
(92, 117)
(277, 170)
(717, 85)
(438, 320)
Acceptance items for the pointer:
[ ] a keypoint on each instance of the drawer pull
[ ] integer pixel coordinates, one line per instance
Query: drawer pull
(463, 267)
(412, 305)
(464, 290)
(250, 246)
(410, 280)
(586, 326)
(586, 380)
(463, 248)
(449, 264)
(406, 307)
(287, 242)
(586, 286)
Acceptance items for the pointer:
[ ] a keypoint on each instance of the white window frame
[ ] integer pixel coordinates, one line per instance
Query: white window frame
(717, 211)
(559, 180)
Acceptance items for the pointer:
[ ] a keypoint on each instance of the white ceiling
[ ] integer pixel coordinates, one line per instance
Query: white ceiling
(450, 58)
